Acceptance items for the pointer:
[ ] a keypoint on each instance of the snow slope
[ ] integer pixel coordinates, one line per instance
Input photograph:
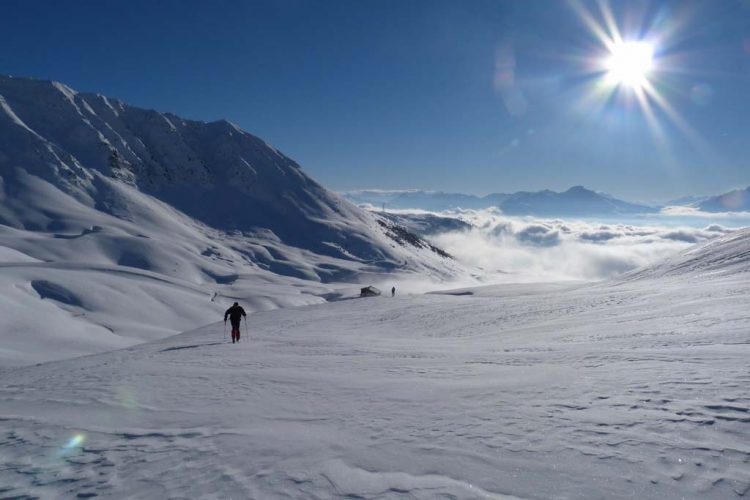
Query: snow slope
(120, 224)
(728, 255)
(635, 388)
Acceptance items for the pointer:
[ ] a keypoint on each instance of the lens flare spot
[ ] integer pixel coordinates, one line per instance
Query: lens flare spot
(701, 94)
(733, 200)
(75, 441)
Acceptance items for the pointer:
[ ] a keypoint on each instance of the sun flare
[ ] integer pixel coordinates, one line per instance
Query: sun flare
(629, 63)
(632, 65)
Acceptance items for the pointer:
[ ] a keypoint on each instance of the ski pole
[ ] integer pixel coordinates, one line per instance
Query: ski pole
(246, 335)
(225, 329)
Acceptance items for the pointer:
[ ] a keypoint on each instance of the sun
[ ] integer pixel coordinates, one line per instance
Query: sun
(632, 65)
(629, 63)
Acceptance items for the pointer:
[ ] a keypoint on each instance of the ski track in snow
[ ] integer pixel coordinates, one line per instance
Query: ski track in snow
(632, 389)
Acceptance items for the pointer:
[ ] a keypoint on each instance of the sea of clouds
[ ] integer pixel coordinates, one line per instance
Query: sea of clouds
(528, 249)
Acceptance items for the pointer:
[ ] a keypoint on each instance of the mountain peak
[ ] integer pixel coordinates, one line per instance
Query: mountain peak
(579, 190)
(30, 82)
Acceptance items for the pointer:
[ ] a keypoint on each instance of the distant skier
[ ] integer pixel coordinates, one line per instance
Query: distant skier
(393, 291)
(235, 314)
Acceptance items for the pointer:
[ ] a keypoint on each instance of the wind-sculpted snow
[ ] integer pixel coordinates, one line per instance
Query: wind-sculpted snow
(636, 389)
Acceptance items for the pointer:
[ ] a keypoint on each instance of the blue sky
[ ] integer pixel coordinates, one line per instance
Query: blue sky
(404, 93)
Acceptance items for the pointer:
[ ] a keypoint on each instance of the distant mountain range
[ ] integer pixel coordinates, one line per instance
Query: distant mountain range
(733, 201)
(576, 201)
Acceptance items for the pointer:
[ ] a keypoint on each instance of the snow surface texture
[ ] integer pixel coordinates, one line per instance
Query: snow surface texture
(635, 388)
(119, 224)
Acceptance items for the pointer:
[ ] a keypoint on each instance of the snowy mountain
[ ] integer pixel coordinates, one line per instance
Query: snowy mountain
(732, 201)
(635, 388)
(120, 224)
(686, 201)
(427, 224)
(79, 143)
(410, 199)
(576, 201)
(737, 200)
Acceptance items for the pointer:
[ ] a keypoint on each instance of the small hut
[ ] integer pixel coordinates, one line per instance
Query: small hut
(369, 291)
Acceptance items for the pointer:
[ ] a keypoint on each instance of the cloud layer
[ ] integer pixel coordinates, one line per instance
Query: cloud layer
(531, 249)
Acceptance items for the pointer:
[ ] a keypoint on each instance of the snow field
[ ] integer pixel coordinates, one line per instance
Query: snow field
(629, 389)
(104, 282)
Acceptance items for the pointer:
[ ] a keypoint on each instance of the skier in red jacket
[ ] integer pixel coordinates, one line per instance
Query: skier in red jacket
(235, 314)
